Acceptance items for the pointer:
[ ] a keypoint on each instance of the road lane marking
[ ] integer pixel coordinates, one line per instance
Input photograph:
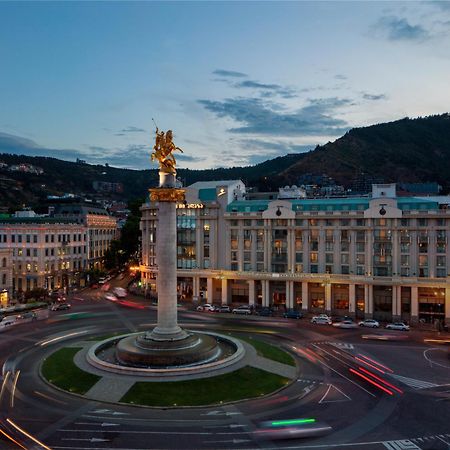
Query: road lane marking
(412, 382)
(333, 401)
(404, 444)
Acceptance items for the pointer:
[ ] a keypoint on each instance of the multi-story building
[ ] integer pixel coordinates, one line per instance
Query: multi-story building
(101, 227)
(45, 252)
(5, 275)
(378, 256)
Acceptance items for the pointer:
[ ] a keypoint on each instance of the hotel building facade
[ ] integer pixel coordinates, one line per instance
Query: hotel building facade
(380, 256)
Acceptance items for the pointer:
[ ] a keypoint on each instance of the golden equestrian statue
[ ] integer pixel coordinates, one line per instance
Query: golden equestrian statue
(163, 151)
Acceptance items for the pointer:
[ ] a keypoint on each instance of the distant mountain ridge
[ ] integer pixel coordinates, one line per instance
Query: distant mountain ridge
(406, 150)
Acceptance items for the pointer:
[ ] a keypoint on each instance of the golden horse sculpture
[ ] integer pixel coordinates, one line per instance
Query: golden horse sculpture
(163, 151)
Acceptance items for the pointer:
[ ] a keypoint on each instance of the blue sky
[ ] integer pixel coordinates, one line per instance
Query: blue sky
(238, 82)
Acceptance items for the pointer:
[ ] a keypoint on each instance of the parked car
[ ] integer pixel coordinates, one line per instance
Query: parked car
(292, 314)
(399, 326)
(60, 306)
(102, 280)
(322, 319)
(267, 312)
(7, 321)
(206, 307)
(370, 323)
(348, 323)
(224, 309)
(242, 310)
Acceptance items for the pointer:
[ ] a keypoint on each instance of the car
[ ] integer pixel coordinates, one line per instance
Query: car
(206, 307)
(242, 310)
(267, 312)
(7, 321)
(322, 319)
(347, 323)
(27, 316)
(102, 280)
(370, 323)
(292, 314)
(290, 429)
(399, 326)
(111, 297)
(224, 309)
(120, 292)
(60, 306)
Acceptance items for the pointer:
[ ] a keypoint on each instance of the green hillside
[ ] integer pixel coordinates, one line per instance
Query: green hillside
(407, 150)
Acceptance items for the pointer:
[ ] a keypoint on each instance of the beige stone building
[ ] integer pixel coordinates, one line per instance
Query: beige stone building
(378, 256)
(45, 252)
(5, 276)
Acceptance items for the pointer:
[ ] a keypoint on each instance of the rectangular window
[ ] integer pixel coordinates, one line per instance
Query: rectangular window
(440, 261)
(35, 238)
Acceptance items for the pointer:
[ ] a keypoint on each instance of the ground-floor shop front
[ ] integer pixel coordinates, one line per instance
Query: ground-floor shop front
(410, 302)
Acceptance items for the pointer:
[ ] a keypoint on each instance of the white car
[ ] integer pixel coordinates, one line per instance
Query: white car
(322, 319)
(242, 310)
(345, 324)
(206, 307)
(370, 323)
(120, 292)
(111, 297)
(400, 326)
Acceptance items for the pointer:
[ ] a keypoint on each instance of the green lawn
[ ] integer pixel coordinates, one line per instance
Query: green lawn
(244, 383)
(269, 351)
(60, 370)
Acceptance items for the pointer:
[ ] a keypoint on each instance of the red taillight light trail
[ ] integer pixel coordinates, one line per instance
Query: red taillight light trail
(368, 364)
(381, 380)
(371, 381)
(377, 363)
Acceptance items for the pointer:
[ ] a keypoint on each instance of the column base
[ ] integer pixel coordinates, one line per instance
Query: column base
(164, 334)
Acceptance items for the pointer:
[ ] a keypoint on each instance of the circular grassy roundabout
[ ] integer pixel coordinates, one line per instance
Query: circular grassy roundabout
(245, 382)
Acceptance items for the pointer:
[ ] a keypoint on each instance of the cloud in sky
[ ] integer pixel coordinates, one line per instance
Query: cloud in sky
(139, 155)
(268, 118)
(132, 130)
(374, 97)
(229, 73)
(399, 29)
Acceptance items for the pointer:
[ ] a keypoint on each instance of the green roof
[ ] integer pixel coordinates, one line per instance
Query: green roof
(330, 204)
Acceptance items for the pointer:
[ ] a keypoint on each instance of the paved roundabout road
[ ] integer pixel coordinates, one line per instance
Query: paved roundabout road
(374, 394)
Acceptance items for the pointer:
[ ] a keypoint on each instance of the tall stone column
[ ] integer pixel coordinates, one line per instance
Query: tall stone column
(351, 299)
(414, 304)
(167, 195)
(251, 292)
(305, 300)
(328, 305)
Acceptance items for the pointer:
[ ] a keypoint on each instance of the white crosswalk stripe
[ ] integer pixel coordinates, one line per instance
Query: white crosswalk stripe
(343, 345)
(400, 445)
(412, 382)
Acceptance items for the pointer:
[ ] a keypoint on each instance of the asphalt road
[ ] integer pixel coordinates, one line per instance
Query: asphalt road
(412, 412)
